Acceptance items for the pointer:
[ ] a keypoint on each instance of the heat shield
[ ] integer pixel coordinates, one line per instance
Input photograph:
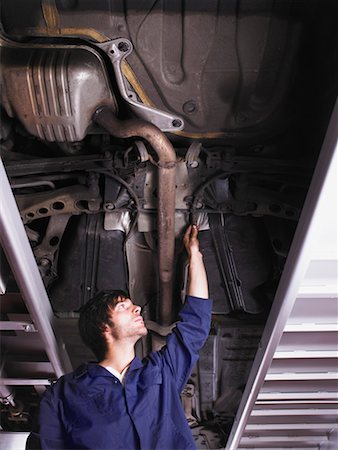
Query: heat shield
(54, 89)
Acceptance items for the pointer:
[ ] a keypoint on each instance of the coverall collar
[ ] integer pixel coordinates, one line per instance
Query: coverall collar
(95, 370)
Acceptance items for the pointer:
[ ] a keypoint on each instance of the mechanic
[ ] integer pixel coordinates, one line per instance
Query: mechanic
(122, 402)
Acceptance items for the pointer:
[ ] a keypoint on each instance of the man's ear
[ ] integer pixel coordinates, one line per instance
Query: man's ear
(105, 329)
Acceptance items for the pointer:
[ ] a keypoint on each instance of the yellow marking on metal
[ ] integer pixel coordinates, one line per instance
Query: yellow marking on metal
(53, 28)
(208, 135)
(71, 32)
(131, 77)
(51, 16)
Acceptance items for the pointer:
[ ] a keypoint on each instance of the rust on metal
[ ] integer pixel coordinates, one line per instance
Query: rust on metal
(166, 195)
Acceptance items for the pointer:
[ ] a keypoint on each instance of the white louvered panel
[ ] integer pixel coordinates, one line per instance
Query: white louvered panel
(290, 412)
(279, 448)
(289, 426)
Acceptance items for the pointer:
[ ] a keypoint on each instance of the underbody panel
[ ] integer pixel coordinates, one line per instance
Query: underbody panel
(123, 122)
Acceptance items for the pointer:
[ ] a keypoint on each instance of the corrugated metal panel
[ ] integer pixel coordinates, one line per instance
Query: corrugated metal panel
(291, 399)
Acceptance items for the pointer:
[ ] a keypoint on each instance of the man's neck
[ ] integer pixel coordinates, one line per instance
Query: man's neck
(118, 357)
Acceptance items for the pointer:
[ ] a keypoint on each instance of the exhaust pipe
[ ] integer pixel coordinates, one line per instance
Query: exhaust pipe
(166, 195)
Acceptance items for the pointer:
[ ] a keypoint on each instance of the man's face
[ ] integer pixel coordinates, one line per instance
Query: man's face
(127, 320)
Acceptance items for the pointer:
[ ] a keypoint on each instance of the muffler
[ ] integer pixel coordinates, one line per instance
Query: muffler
(53, 89)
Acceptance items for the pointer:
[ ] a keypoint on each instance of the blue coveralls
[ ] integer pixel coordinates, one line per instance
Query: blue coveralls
(91, 409)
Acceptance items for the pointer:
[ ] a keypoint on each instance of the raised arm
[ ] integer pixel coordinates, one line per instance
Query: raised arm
(188, 337)
(198, 283)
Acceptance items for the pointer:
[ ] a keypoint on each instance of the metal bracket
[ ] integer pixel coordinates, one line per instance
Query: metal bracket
(28, 327)
(193, 152)
(117, 50)
(161, 330)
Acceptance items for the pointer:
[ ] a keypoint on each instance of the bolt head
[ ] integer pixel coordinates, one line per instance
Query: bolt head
(176, 123)
(44, 262)
(189, 107)
(123, 46)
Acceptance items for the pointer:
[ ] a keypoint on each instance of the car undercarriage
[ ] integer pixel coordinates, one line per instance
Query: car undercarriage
(124, 122)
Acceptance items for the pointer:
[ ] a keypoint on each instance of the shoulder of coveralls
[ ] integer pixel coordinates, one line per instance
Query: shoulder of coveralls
(69, 377)
(69, 385)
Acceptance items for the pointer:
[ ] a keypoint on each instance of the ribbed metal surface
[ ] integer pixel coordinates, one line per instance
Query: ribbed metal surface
(53, 90)
(48, 87)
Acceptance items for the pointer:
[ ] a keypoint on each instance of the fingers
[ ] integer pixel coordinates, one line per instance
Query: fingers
(191, 233)
(194, 231)
(187, 233)
(190, 239)
(186, 238)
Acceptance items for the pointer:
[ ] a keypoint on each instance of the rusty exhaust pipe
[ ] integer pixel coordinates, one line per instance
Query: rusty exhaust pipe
(166, 195)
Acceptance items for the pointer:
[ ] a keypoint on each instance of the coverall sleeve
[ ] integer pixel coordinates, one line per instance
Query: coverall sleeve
(188, 337)
(49, 433)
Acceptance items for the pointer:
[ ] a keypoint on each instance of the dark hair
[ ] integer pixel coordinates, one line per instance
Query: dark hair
(94, 316)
